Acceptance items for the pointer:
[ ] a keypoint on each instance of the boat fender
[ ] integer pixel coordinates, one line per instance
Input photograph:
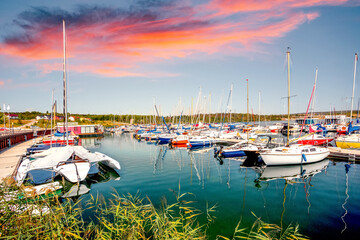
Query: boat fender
(304, 157)
(216, 152)
(347, 167)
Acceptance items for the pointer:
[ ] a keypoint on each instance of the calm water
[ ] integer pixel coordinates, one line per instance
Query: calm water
(325, 201)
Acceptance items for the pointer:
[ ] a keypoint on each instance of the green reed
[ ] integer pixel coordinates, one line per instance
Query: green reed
(122, 217)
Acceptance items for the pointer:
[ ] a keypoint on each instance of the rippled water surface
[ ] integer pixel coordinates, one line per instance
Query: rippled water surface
(323, 198)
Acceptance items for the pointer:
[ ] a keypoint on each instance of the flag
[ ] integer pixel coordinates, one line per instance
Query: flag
(356, 57)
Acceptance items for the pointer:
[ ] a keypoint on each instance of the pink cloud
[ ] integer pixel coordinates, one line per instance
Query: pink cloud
(118, 46)
(225, 7)
(5, 82)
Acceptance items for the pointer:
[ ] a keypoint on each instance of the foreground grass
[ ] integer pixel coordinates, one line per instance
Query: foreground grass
(122, 217)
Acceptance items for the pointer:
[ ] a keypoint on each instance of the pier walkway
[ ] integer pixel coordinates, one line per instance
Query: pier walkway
(13, 146)
(10, 157)
(345, 154)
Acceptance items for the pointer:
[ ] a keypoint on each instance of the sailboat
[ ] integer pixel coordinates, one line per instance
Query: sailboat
(351, 140)
(71, 162)
(294, 154)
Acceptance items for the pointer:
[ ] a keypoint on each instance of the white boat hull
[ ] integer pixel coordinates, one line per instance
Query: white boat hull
(74, 172)
(271, 159)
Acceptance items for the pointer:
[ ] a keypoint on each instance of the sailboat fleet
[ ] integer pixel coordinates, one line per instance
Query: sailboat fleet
(258, 142)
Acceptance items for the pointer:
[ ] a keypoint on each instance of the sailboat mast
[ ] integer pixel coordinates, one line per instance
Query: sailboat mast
(259, 106)
(230, 106)
(65, 87)
(247, 100)
(352, 98)
(51, 116)
(313, 102)
(288, 75)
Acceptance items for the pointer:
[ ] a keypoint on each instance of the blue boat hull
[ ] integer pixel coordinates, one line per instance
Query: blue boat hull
(164, 140)
(199, 144)
(231, 154)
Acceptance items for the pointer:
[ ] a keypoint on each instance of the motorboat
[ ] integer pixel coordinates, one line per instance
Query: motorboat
(251, 149)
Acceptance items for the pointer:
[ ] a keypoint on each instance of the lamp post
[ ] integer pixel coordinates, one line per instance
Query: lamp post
(8, 109)
(4, 108)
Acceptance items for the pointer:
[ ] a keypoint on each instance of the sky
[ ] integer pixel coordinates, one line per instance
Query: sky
(125, 56)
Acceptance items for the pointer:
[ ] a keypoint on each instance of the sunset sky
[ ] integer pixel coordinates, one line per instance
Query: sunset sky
(121, 55)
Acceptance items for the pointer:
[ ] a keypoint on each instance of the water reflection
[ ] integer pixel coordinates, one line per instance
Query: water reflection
(347, 168)
(291, 173)
(104, 175)
(90, 142)
(158, 159)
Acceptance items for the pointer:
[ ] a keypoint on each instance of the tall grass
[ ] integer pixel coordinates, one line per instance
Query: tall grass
(122, 217)
(265, 231)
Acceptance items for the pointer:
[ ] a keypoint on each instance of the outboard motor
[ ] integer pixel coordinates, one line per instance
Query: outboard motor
(218, 152)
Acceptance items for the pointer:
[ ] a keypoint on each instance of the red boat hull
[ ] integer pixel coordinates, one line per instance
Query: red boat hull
(48, 142)
(179, 142)
(315, 142)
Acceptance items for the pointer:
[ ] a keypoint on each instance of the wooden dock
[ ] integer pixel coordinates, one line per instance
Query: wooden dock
(10, 157)
(345, 154)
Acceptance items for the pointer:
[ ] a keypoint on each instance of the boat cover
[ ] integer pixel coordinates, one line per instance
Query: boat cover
(52, 157)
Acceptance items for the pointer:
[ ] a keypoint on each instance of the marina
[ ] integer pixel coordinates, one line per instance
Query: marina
(278, 194)
(179, 120)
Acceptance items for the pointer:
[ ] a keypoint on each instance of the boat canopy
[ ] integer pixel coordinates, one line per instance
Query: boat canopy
(352, 128)
(61, 134)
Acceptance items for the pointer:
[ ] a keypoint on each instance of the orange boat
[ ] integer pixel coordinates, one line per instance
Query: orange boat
(180, 140)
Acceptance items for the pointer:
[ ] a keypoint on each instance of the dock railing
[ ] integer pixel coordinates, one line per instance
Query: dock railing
(9, 138)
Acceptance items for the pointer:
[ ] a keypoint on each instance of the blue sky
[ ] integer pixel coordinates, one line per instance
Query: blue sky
(122, 56)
